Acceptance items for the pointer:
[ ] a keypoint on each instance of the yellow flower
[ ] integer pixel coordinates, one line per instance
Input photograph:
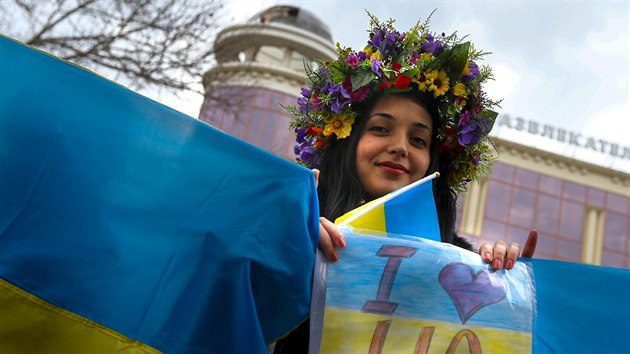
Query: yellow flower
(459, 90)
(339, 125)
(421, 80)
(438, 82)
(426, 56)
(368, 51)
(376, 56)
(466, 68)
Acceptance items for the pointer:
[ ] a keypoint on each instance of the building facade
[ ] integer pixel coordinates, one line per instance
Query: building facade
(261, 67)
(581, 210)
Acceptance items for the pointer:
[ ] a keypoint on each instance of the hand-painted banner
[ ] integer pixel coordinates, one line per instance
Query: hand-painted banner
(411, 295)
(393, 295)
(126, 226)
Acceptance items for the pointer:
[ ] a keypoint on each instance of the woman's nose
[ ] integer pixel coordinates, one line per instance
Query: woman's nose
(398, 146)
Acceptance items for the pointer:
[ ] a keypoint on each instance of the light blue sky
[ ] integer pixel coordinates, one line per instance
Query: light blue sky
(562, 63)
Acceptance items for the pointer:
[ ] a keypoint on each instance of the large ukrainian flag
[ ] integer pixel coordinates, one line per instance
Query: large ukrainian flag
(128, 227)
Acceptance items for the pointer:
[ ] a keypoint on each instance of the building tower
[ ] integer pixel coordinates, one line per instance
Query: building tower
(260, 69)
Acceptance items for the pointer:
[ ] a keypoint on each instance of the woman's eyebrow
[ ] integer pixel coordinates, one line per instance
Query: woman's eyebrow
(391, 117)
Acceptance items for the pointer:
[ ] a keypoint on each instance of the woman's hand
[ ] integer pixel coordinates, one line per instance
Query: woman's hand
(330, 237)
(502, 256)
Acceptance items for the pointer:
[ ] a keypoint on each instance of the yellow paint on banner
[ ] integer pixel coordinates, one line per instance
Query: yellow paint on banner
(29, 324)
(348, 332)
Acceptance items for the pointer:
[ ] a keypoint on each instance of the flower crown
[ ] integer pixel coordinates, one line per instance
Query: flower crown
(442, 67)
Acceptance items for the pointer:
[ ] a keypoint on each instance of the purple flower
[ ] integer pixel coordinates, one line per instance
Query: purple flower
(305, 151)
(464, 117)
(300, 134)
(432, 45)
(338, 96)
(376, 67)
(390, 38)
(467, 135)
(413, 58)
(474, 71)
(303, 102)
(353, 61)
(317, 104)
(362, 55)
(376, 39)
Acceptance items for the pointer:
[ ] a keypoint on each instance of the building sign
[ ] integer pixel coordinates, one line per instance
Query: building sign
(564, 136)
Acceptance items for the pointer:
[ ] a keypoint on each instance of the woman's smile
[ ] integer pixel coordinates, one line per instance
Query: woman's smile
(393, 168)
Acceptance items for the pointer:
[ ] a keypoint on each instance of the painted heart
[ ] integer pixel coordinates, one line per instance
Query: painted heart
(471, 291)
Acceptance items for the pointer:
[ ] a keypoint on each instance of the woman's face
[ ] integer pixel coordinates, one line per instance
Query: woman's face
(393, 150)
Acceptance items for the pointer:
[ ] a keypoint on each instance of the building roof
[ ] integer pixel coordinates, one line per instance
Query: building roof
(294, 16)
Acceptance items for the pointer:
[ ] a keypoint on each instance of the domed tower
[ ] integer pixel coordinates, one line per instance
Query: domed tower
(260, 69)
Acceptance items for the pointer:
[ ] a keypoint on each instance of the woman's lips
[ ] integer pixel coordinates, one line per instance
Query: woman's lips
(392, 168)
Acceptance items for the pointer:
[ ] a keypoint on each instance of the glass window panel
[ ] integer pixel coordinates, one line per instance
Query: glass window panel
(546, 243)
(616, 231)
(518, 234)
(574, 192)
(522, 210)
(526, 179)
(547, 213)
(498, 200)
(502, 172)
(596, 197)
(493, 230)
(613, 259)
(618, 203)
(550, 185)
(568, 250)
(544, 255)
(572, 220)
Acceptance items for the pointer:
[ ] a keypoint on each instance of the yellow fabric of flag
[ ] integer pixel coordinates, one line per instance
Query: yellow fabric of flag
(29, 324)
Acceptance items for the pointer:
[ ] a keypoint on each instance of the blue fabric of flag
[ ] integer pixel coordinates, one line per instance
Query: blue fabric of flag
(580, 308)
(144, 220)
(413, 213)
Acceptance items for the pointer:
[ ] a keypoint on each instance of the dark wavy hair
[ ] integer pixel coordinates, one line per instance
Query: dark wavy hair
(340, 189)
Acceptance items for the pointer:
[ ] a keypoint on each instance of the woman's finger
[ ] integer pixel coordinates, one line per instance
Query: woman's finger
(334, 232)
(512, 255)
(326, 244)
(498, 254)
(485, 251)
(316, 173)
(530, 245)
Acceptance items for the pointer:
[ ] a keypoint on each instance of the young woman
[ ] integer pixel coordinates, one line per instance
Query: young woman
(407, 105)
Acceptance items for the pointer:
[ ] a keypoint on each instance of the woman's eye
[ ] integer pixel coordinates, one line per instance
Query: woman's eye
(418, 141)
(378, 129)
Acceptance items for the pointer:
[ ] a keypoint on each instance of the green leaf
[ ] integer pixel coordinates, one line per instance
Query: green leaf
(455, 59)
(336, 71)
(361, 79)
